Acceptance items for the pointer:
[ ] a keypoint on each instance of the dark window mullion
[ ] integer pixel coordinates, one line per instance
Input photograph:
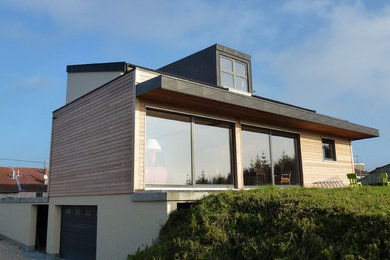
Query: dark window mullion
(192, 151)
(271, 157)
(233, 147)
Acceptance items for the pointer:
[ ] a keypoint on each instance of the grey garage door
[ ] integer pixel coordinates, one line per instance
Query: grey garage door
(78, 232)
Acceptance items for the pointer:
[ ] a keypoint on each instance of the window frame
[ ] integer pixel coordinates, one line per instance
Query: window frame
(277, 132)
(234, 73)
(332, 143)
(193, 118)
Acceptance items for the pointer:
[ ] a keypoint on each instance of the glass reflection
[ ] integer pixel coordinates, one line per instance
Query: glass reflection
(261, 166)
(240, 68)
(241, 84)
(256, 158)
(227, 80)
(285, 162)
(168, 149)
(212, 153)
(226, 64)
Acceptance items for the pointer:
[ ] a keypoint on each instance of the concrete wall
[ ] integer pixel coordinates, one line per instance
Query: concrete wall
(18, 223)
(80, 83)
(122, 224)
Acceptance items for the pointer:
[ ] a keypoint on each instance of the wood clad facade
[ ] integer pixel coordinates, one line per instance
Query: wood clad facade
(92, 142)
(98, 141)
(139, 131)
(315, 168)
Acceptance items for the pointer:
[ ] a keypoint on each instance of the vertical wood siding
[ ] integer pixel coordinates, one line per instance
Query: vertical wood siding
(92, 142)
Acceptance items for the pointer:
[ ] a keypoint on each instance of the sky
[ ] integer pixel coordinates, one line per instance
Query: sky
(330, 56)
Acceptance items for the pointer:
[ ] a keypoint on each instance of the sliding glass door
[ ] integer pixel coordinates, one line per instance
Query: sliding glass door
(184, 150)
(269, 157)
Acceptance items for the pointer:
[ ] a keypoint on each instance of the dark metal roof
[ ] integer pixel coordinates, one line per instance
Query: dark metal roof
(282, 103)
(204, 65)
(98, 67)
(189, 87)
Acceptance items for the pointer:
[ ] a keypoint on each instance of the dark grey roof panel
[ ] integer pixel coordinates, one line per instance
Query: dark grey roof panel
(199, 66)
(98, 67)
(282, 103)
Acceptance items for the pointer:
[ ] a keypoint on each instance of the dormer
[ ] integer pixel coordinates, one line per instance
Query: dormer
(216, 65)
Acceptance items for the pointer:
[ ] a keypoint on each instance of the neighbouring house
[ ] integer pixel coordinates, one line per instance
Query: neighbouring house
(360, 169)
(132, 144)
(16, 182)
(373, 177)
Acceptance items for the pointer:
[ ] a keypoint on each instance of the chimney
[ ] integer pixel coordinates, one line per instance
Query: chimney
(84, 78)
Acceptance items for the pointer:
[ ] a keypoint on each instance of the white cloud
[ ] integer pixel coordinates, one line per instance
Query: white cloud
(301, 7)
(33, 83)
(154, 20)
(14, 30)
(349, 55)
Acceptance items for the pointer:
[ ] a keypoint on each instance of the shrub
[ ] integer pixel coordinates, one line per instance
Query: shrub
(270, 223)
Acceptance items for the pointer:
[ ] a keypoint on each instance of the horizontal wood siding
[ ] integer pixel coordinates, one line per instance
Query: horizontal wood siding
(315, 168)
(92, 142)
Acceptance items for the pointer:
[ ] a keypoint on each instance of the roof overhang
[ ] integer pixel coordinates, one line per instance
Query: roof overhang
(186, 93)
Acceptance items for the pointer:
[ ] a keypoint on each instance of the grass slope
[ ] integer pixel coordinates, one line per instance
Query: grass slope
(271, 223)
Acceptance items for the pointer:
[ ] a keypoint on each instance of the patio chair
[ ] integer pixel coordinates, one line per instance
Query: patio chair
(385, 179)
(285, 178)
(353, 182)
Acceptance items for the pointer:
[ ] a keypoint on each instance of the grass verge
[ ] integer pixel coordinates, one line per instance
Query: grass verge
(272, 223)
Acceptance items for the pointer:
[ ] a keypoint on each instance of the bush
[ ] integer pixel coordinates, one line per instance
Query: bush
(269, 223)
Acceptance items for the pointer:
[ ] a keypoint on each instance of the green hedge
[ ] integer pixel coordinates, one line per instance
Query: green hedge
(271, 223)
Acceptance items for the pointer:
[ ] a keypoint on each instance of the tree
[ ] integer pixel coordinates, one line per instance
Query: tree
(202, 178)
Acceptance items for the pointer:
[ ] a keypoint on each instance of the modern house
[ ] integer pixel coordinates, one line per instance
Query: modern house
(132, 144)
(23, 182)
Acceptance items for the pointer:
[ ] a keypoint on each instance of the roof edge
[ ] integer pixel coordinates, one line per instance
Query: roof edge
(98, 67)
(188, 87)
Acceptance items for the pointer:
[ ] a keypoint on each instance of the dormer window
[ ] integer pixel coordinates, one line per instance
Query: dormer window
(233, 74)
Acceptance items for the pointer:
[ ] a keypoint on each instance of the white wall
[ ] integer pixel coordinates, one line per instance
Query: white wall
(80, 83)
(122, 225)
(18, 222)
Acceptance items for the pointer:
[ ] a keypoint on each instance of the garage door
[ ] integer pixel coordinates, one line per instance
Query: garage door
(78, 232)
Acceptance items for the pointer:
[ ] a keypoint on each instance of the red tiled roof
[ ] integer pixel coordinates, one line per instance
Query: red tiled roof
(30, 179)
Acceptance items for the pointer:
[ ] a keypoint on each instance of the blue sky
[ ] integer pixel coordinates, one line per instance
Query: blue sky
(331, 56)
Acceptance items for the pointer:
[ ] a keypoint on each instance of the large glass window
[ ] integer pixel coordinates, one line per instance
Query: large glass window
(233, 74)
(269, 157)
(187, 150)
(256, 158)
(285, 161)
(212, 152)
(168, 149)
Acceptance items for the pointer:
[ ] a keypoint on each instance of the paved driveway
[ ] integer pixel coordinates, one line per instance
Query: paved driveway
(11, 252)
